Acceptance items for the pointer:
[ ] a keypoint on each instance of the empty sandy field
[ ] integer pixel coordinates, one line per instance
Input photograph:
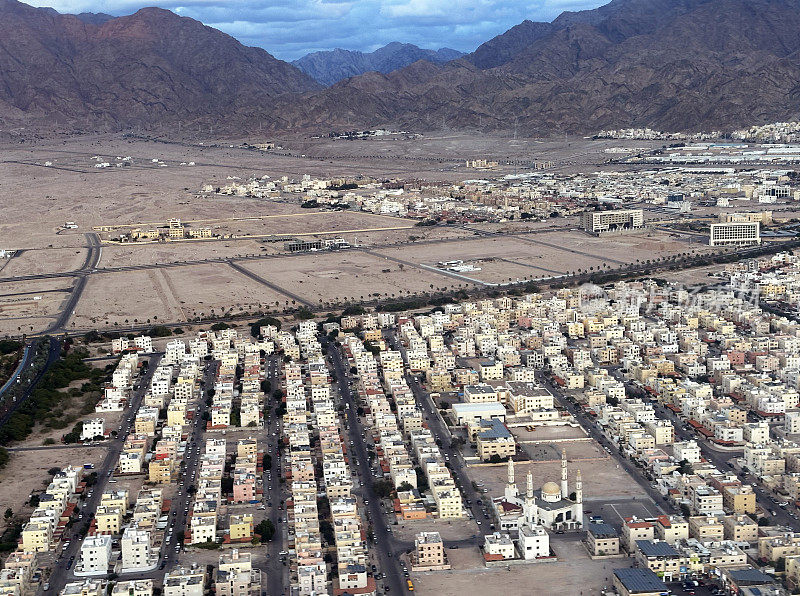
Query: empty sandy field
(502, 270)
(30, 306)
(116, 297)
(125, 255)
(601, 477)
(450, 529)
(200, 288)
(46, 260)
(33, 287)
(574, 574)
(346, 275)
(547, 433)
(27, 471)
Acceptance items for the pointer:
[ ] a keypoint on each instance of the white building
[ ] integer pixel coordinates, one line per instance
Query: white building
(616, 220)
(92, 428)
(534, 542)
(499, 544)
(792, 422)
(687, 450)
(95, 554)
(734, 233)
(136, 552)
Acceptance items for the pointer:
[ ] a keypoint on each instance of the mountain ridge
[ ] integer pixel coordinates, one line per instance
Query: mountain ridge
(330, 67)
(151, 68)
(674, 65)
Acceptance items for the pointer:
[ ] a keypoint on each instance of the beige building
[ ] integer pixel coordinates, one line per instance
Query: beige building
(494, 439)
(429, 550)
(740, 528)
(706, 528)
(602, 539)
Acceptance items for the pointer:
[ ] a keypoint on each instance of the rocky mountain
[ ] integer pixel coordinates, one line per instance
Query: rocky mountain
(669, 64)
(152, 68)
(331, 67)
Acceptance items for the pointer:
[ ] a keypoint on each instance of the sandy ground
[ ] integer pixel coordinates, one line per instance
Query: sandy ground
(548, 433)
(345, 275)
(453, 529)
(117, 297)
(600, 474)
(574, 573)
(27, 471)
(158, 184)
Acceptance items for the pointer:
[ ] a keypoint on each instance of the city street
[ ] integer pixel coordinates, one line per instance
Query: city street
(453, 455)
(60, 574)
(384, 543)
(277, 573)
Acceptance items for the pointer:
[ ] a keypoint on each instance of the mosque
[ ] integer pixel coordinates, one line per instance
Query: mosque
(549, 507)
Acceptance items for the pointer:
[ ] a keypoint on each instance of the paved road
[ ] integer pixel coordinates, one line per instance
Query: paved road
(277, 574)
(60, 574)
(358, 454)
(178, 514)
(480, 512)
(27, 355)
(89, 264)
(54, 351)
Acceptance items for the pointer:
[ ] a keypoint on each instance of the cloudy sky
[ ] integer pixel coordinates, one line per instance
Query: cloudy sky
(291, 28)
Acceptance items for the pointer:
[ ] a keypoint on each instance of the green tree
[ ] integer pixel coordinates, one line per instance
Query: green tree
(383, 488)
(255, 327)
(266, 530)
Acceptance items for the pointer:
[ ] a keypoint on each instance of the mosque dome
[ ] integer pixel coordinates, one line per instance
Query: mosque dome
(551, 492)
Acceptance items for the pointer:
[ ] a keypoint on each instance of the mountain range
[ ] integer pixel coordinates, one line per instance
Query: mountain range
(151, 68)
(669, 64)
(331, 67)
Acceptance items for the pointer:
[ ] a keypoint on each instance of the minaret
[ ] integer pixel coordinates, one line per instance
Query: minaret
(579, 497)
(511, 488)
(564, 485)
(531, 512)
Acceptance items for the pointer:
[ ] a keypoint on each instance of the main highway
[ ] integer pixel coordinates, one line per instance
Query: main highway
(89, 265)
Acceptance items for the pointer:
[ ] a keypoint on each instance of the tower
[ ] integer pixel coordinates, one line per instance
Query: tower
(511, 488)
(578, 498)
(530, 509)
(564, 485)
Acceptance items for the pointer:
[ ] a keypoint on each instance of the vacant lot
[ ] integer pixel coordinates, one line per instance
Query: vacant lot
(347, 275)
(27, 470)
(601, 476)
(574, 573)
